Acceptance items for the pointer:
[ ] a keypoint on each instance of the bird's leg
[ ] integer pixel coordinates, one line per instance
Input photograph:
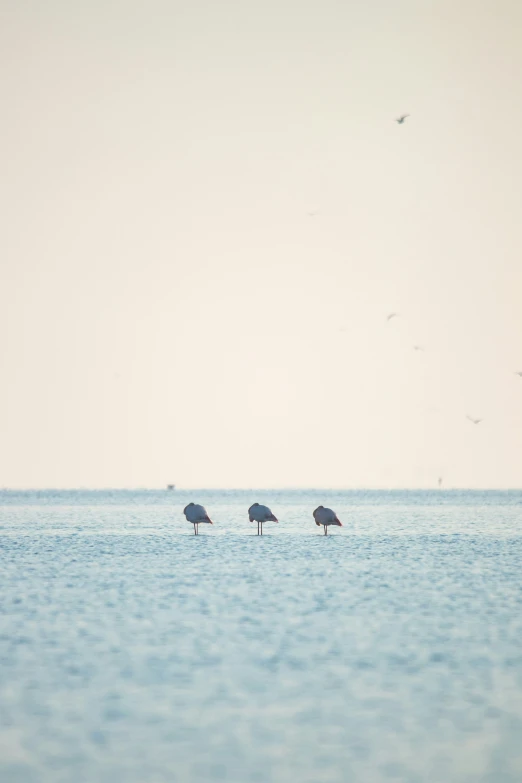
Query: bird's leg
(261, 528)
(258, 528)
(195, 529)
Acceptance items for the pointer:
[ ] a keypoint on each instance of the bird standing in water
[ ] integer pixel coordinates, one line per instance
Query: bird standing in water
(258, 513)
(197, 515)
(326, 517)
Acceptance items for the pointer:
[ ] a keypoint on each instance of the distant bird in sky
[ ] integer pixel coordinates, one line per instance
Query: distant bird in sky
(401, 119)
(313, 213)
(326, 517)
(418, 348)
(258, 513)
(475, 421)
(518, 373)
(391, 315)
(197, 515)
(440, 481)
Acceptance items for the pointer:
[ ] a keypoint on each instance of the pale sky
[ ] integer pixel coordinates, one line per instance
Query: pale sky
(169, 310)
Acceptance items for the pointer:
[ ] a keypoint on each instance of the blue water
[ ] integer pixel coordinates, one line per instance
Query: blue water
(133, 651)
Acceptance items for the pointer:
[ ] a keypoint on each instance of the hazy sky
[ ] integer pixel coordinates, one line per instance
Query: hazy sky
(169, 310)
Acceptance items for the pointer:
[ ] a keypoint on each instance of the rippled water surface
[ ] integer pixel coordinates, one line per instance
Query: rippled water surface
(133, 651)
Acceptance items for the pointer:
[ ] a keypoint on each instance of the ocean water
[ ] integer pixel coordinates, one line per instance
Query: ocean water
(132, 650)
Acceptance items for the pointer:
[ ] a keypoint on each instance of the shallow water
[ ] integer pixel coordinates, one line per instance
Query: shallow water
(132, 650)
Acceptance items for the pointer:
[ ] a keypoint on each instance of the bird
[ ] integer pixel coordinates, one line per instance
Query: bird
(391, 315)
(325, 516)
(418, 348)
(313, 213)
(440, 481)
(258, 513)
(401, 119)
(475, 421)
(518, 373)
(197, 515)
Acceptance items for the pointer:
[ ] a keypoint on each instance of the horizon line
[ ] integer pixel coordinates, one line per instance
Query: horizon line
(165, 488)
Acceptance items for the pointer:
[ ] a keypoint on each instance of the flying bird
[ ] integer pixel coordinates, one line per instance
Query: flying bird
(326, 517)
(401, 119)
(197, 515)
(475, 421)
(418, 348)
(258, 513)
(313, 213)
(518, 373)
(391, 315)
